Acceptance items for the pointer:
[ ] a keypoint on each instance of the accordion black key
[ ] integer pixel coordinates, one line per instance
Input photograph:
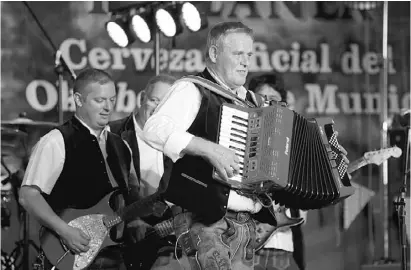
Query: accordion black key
(295, 159)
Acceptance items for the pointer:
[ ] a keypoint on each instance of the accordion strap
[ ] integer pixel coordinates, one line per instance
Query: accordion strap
(219, 90)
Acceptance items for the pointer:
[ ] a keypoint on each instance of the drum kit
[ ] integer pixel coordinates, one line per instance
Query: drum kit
(18, 136)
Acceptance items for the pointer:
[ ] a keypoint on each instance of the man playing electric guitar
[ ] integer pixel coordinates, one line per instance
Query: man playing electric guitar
(77, 164)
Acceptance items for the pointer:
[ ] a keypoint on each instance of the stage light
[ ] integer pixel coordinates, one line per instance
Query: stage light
(140, 25)
(192, 17)
(363, 5)
(168, 21)
(119, 32)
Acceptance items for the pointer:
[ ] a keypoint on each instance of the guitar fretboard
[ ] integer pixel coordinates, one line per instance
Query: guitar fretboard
(164, 228)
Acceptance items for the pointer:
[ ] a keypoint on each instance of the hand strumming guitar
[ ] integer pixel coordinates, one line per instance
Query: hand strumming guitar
(75, 239)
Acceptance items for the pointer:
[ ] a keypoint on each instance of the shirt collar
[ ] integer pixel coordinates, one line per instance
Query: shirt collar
(136, 126)
(241, 92)
(103, 134)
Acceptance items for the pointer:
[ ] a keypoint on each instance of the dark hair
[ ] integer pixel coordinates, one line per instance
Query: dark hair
(275, 80)
(164, 78)
(90, 75)
(220, 30)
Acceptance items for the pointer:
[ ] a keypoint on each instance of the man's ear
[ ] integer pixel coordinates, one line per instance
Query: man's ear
(77, 99)
(212, 53)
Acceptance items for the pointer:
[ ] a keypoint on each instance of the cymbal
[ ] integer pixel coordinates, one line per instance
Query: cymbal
(22, 121)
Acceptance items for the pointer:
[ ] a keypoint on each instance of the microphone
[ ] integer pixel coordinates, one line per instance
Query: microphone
(404, 118)
(60, 62)
(57, 61)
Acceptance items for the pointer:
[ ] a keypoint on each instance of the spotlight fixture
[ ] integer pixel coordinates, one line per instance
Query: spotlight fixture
(168, 21)
(363, 5)
(141, 26)
(192, 17)
(119, 32)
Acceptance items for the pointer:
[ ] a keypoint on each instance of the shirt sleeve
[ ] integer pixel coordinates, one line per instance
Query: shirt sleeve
(166, 129)
(46, 162)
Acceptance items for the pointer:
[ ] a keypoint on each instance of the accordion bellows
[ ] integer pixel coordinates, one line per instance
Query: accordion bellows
(295, 159)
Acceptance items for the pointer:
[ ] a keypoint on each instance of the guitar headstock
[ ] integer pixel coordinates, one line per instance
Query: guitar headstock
(378, 157)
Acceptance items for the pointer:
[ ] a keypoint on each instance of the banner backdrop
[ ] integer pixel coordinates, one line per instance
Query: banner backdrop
(329, 55)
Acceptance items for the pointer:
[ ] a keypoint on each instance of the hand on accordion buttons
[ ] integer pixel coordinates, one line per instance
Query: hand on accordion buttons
(225, 161)
(343, 152)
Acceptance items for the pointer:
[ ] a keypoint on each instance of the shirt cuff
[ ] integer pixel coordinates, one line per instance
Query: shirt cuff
(177, 141)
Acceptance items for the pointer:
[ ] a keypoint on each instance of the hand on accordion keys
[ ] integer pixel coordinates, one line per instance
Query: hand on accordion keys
(225, 161)
(343, 152)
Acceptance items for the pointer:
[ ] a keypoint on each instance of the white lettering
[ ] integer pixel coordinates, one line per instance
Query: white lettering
(32, 95)
(280, 60)
(99, 58)
(321, 103)
(65, 49)
(261, 59)
(350, 63)
(126, 98)
(141, 57)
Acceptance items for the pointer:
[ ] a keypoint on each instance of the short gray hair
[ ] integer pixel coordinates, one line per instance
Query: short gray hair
(164, 78)
(221, 30)
(88, 76)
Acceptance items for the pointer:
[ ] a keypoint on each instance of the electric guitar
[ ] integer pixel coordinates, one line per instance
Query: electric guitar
(266, 231)
(96, 222)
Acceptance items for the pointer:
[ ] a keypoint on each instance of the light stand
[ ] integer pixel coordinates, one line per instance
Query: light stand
(384, 129)
(157, 50)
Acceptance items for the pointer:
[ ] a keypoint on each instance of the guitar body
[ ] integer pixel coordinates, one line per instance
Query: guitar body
(265, 231)
(92, 222)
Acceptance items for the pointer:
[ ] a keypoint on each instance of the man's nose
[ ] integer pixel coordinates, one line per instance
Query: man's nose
(245, 60)
(108, 105)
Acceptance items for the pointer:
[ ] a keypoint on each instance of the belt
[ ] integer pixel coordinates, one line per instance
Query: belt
(241, 217)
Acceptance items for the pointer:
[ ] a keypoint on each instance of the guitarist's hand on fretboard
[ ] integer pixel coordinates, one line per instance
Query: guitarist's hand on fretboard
(137, 229)
(75, 239)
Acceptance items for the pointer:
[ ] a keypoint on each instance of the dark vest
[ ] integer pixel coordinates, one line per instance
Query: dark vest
(84, 180)
(191, 185)
(125, 128)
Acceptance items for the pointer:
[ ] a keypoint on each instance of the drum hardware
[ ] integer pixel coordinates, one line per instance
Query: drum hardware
(16, 132)
(23, 121)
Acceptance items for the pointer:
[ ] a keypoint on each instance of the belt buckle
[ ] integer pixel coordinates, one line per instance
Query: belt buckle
(243, 217)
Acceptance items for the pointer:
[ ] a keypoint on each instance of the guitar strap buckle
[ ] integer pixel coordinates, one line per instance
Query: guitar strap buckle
(182, 224)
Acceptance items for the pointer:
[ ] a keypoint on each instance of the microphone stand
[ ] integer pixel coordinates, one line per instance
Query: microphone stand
(400, 204)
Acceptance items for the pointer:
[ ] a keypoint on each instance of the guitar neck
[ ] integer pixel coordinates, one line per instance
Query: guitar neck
(356, 164)
(140, 208)
(164, 228)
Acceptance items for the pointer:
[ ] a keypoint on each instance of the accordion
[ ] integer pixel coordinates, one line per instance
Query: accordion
(295, 159)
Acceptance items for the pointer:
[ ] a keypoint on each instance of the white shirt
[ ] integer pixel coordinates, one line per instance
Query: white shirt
(166, 130)
(151, 164)
(283, 239)
(48, 156)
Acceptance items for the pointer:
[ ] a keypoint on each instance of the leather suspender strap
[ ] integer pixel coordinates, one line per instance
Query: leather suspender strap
(218, 89)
